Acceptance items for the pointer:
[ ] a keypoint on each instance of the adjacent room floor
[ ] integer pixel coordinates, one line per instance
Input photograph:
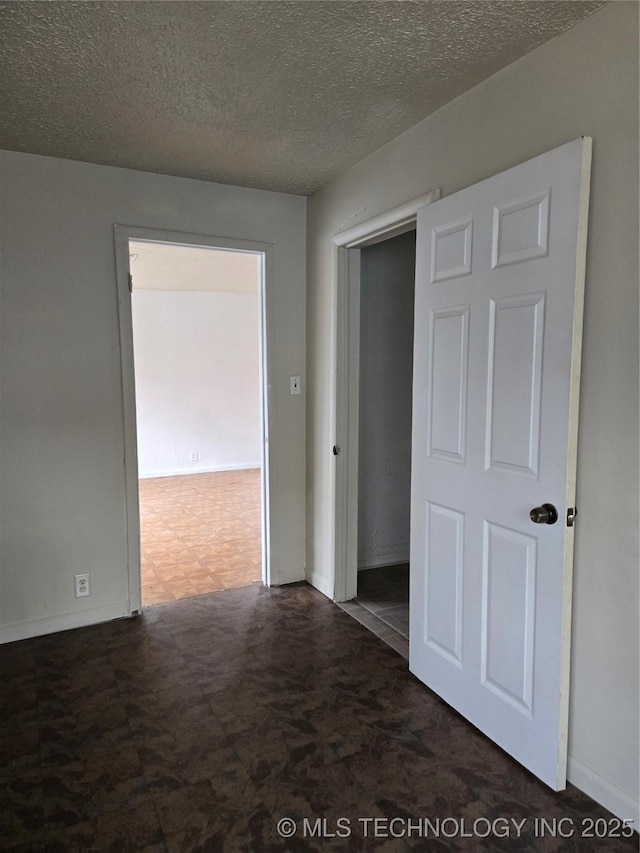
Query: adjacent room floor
(204, 722)
(199, 533)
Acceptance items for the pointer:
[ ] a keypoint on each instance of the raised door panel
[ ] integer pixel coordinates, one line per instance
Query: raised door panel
(508, 615)
(521, 229)
(447, 384)
(516, 334)
(451, 246)
(444, 543)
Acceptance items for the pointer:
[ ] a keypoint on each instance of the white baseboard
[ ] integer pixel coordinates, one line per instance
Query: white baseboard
(63, 622)
(286, 576)
(197, 469)
(618, 802)
(377, 560)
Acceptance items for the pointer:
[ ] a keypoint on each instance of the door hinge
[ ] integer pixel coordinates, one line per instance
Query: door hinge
(336, 449)
(571, 516)
(130, 283)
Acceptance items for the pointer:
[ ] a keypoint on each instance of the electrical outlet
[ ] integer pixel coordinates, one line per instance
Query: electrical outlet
(194, 455)
(82, 586)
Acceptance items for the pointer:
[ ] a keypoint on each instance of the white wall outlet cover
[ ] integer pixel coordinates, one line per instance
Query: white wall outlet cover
(82, 586)
(294, 385)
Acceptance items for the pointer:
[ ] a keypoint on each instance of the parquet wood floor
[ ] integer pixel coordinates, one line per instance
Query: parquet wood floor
(199, 533)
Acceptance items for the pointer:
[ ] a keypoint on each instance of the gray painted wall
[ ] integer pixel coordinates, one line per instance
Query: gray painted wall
(387, 284)
(582, 82)
(63, 486)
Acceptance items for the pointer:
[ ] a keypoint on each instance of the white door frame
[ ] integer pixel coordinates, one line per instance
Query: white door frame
(124, 233)
(347, 244)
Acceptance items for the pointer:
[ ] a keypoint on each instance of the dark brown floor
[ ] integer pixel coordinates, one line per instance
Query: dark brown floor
(205, 721)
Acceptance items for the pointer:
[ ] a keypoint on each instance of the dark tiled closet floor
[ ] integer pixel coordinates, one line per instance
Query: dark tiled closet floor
(382, 605)
(203, 722)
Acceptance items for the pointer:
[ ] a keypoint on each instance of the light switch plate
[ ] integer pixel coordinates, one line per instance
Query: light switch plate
(294, 385)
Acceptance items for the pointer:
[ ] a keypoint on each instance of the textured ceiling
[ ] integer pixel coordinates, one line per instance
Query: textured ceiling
(277, 95)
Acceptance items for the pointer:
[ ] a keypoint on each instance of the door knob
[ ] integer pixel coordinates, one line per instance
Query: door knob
(545, 514)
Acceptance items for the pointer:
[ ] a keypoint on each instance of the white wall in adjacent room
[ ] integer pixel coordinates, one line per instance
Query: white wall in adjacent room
(196, 339)
(197, 381)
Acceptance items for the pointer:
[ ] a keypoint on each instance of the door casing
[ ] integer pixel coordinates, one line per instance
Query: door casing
(124, 233)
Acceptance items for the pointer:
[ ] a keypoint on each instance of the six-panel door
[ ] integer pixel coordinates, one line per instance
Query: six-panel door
(499, 278)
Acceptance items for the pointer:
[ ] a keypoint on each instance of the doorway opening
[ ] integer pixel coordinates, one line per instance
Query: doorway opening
(385, 376)
(383, 582)
(195, 313)
(193, 342)
(387, 289)
(349, 245)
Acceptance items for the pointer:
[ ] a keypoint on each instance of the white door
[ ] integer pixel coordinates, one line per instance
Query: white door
(499, 292)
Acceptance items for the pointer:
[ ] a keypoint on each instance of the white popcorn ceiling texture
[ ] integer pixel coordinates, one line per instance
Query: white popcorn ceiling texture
(276, 95)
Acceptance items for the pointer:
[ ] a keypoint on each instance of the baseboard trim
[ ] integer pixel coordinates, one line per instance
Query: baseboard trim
(197, 469)
(63, 622)
(618, 802)
(291, 576)
(378, 560)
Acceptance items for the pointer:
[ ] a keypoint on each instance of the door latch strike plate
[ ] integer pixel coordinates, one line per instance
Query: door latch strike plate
(571, 516)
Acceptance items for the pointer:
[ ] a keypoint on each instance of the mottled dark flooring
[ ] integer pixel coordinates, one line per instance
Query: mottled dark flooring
(202, 723)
